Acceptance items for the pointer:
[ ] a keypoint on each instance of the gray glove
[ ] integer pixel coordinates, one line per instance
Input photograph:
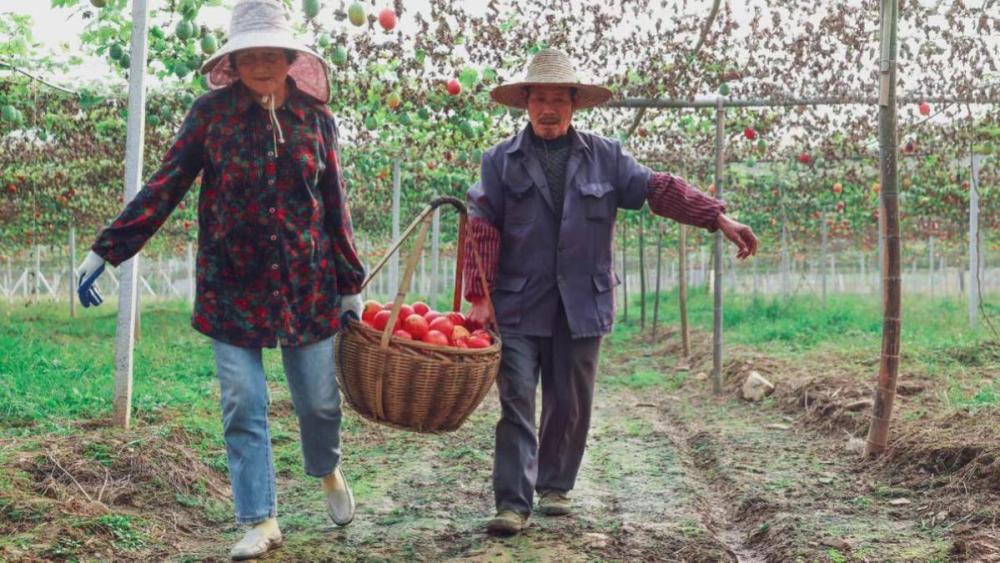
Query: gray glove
(351, 305)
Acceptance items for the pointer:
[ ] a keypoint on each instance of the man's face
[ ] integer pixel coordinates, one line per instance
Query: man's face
(263, 71)
(550, 110)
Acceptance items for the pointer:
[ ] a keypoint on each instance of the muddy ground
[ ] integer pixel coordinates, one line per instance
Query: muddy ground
(672, 473)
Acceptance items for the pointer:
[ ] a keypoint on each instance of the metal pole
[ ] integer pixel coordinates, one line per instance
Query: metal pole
(127, 302)
(974, 243)
(790, 102)
(885, 394)
(72, 271)
(394, 262)
(720, 127)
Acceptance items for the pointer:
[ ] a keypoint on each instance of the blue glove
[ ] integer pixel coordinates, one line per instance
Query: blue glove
(88, 272)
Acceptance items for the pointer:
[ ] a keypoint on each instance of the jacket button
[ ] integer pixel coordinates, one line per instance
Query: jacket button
(275, 293)
(271, 211)
(274, 266)
(274, 237)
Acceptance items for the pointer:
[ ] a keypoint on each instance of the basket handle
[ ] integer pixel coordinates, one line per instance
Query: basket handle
(424, 219)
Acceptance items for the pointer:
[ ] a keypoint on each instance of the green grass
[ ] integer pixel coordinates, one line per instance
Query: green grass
(56, 368)
(935, 328)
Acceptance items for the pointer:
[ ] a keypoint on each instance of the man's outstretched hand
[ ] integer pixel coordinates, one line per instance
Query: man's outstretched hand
(741, 235)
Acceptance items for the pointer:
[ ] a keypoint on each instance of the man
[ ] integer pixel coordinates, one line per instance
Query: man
(543, 216)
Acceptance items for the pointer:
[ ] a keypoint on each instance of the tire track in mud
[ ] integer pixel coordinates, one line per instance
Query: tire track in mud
(771, 493)
(694, 464)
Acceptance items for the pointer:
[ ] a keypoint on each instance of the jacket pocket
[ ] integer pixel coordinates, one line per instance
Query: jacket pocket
(519, 204)
(604, 298)
(598, 200)
(508, 299)
(605, 281)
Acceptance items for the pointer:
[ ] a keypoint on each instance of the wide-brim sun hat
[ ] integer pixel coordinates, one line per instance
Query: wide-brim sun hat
(263, 24)
(550, 67)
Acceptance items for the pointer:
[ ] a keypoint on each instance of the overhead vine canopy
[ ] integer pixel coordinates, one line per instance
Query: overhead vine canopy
(63, 153)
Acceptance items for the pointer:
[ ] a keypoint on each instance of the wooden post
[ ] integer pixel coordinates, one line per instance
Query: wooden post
(435, 257)
(885, 394)
(682, 283)
(37, 286)
(974, 243)
(720, 117)
(823, 254)
(930, 263)
(10, 280)
(190, 272)
(864, 274)
(394, 261)
(72, 271)
(127, 303)
(624, 270)
(659, 263)
(642, 276)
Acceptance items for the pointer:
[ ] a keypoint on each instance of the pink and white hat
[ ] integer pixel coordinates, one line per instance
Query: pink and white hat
(266, 23)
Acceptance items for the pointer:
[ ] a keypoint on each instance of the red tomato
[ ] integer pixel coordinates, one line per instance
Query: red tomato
(420, 308)
(435, 337)
(371, 308)
(477, 342)
(381, 319)
(403, 334)
(442, 325)
(416, 325)
(405, 311)
(461, 343)
(482, 334)
(459, 333)
(456, 318)
(431, 315)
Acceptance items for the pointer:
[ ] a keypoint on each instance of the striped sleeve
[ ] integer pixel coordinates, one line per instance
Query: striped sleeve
(672, 197)
(485, 238)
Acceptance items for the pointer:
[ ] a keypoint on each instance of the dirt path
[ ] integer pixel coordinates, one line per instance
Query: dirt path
(670, 474)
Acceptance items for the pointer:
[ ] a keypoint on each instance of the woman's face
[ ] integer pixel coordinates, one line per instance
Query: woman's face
(262, 70)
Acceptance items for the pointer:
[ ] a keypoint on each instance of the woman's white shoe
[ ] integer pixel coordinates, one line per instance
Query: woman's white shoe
(255, 543)
(339, 498)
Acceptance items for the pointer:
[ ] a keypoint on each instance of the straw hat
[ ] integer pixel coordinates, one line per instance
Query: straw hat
(550, 67)
(265, 23)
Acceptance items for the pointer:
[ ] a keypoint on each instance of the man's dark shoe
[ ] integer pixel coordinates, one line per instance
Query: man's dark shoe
(554, 503)
(506, 523)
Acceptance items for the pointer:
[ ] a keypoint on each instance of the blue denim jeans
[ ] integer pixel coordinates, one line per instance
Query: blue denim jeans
(309, 371)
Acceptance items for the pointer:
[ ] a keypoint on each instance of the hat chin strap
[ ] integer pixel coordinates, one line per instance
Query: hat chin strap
(276, 134)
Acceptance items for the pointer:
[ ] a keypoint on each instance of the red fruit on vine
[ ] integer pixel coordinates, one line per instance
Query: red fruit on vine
(910, 147)
(749, 133)
(187, 225)
(454, 87)
(838, 188)
(804, 158)
(387, 19)
(925, 108)
(11, 189)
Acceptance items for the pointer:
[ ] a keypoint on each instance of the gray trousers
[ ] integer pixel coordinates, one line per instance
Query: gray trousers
(522, 463)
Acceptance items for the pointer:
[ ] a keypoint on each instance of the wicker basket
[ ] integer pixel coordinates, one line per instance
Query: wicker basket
(410, 384)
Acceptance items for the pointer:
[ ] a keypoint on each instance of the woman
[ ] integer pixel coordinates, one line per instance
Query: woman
(276, 256)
